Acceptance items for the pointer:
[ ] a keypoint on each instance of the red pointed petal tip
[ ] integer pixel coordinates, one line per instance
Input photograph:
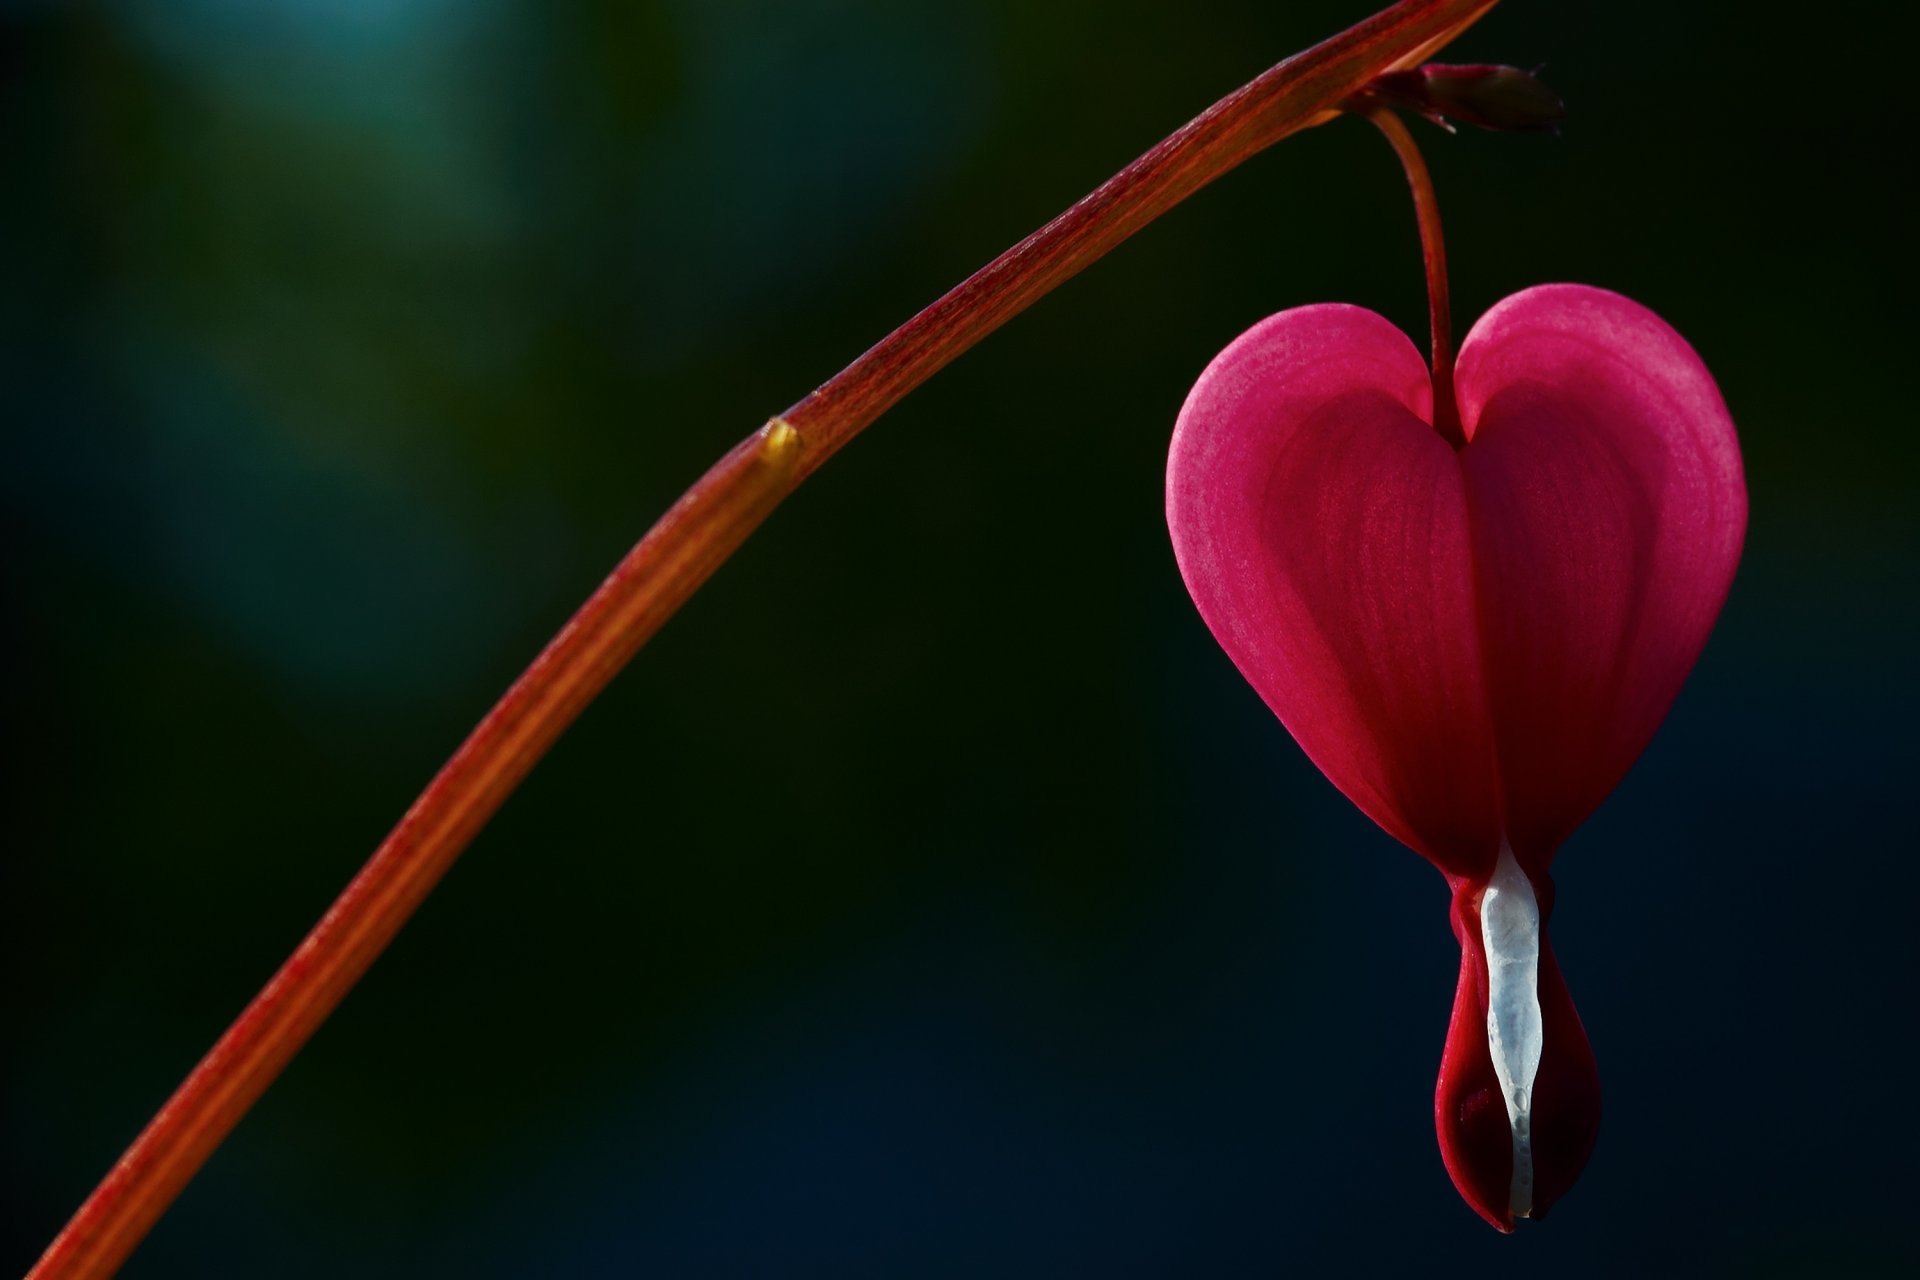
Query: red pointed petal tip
(1469, 1111)
(1472, 645)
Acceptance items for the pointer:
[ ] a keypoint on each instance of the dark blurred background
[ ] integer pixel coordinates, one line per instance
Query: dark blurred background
(931, 898)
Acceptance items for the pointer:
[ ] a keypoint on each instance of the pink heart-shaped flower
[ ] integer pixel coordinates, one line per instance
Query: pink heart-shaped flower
(1473, 644)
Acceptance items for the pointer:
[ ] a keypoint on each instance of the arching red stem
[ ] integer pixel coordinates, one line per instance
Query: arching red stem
(1433, 246)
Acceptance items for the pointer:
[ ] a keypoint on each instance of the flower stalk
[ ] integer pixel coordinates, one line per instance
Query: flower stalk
(664, 569)
(1433, 248)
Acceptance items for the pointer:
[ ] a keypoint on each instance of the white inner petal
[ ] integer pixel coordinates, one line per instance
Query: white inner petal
(1510, 924)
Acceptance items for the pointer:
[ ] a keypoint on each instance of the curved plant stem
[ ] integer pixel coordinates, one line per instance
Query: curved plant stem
(677, 555)
(1433, 247)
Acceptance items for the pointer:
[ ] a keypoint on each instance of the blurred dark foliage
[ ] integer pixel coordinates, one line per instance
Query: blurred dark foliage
(931, 898)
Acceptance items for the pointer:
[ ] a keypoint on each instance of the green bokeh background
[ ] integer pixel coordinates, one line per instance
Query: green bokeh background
(931, 897)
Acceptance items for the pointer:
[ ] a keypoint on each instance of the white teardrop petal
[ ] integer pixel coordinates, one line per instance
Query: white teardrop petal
(1510, 926)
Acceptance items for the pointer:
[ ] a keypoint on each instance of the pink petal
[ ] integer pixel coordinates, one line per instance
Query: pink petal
(1607, 509)
(1321, 526)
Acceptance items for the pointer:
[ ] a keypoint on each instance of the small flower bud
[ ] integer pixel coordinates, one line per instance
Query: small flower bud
(1491, 97)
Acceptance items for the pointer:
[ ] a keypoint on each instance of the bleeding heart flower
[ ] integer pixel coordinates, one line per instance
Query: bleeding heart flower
(1472, 642)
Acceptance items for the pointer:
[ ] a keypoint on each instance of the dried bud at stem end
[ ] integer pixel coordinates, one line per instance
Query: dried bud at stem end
(1504, 99)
